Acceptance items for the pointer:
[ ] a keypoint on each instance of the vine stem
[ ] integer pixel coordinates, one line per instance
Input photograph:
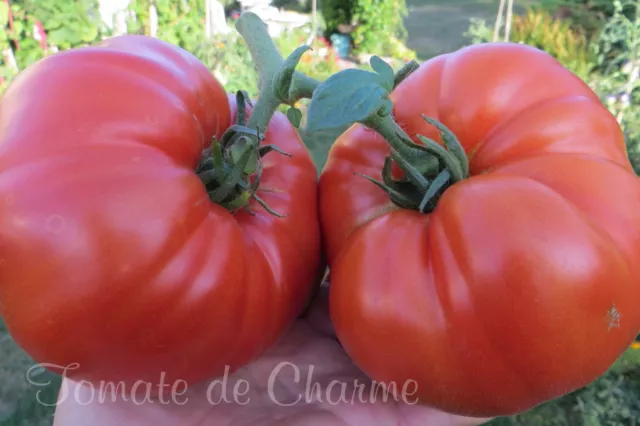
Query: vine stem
(270, 65)
(231, 169)
(429, 166)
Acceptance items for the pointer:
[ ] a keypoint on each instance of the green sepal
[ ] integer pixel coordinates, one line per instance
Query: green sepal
(295, 116)
(282, 81)
(239, 149)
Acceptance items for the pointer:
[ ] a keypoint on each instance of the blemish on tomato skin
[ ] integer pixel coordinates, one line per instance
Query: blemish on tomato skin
(201, 201)
(487, 170)
(613, 318)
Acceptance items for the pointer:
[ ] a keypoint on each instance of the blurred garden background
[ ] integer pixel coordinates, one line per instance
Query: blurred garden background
(599, 40)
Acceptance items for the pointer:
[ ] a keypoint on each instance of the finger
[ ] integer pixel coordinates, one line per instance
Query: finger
(80, 405)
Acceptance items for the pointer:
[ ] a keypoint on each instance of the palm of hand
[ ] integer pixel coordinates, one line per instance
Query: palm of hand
(276, 389)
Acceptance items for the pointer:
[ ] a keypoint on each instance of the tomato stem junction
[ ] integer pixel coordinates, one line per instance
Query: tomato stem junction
(278, 81)
(359, 96)
(231, 168)
(429, 168)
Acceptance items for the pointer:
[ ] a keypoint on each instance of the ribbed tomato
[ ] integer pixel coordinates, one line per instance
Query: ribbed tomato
(113, 256)
(523, 283)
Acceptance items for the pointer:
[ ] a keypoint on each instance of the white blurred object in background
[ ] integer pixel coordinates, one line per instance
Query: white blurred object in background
(114, 15)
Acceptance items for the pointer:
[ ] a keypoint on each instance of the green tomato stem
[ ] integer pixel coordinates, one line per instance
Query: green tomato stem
(231, 169)
(269, 64)
(405, 72)
(429, 167)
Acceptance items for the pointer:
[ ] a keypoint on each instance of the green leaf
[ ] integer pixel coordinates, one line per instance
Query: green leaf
(320, 143)
(4, 14)
(384, 70)
(282, 81)
(62, 36)
(18, 27)
(344, 98)
(295, 116)
(90, 34)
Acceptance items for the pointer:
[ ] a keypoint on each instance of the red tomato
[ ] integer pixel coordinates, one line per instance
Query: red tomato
(113, 256)
(524, 283)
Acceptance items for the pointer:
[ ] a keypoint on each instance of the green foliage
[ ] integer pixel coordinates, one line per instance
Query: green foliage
(378, 26)
(67, 24)
(379, 22)
(618, 63)
(319, 63)
(179, 22)
(336, 13)
(349, 96)
(588, 16)
(609, 61)
(612, 400)
(229, 58)
(538, 28)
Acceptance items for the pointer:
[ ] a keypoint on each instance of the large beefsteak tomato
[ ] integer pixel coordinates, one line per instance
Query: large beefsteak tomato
(523, 283)
(115, 265)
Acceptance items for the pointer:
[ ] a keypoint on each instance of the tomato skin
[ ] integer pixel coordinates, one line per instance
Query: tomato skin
(522, 284)
(114, 258)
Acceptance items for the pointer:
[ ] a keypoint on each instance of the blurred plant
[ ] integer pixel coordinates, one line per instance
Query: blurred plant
(67, 24)
(378, 21)
(612, 400)
(31, 29)
(178, 22)
(617, 81)
(539, 29)
(229, 58)
(587, 16)
(336, 13)
(375, 26)
(319, 63)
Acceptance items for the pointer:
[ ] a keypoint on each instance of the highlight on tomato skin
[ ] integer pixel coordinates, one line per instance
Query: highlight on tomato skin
(115, 259)
(518, 283)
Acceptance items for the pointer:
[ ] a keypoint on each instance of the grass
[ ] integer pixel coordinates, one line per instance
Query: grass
(19, 398)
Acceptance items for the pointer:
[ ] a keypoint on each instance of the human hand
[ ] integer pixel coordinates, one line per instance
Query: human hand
(274, 390)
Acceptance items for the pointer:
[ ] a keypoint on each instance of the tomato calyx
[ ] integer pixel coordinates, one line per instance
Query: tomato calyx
(231, 169)
(428, 167)
(359, 96)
